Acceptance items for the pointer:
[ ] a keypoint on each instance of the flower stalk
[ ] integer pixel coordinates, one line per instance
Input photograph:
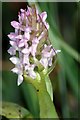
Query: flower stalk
(47, 109)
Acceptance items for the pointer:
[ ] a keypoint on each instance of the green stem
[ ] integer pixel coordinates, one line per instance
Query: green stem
(47, 109)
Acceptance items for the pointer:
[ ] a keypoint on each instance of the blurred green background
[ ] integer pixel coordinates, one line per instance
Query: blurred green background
(64, 33)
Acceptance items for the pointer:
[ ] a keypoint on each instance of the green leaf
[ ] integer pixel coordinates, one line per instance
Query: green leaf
(49, 86)
(72, 74)
(47, 108)
(31, 98)
(12, 110)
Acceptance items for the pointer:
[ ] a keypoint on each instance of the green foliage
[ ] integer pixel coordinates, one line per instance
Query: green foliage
(12, 110)
(31, 99)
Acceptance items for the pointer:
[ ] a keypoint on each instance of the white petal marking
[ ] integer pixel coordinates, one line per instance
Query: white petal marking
(15, 60)
(20, 79)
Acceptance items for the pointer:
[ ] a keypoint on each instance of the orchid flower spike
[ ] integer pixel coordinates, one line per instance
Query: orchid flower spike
(30, 43)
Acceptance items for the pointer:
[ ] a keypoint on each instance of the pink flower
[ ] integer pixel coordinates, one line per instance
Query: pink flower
(43, 16)
(30, 43)
(47, 54)
(33, 48)
(30, 69)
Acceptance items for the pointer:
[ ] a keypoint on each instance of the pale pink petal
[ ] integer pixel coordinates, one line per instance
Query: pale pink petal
(12, 36)
(22, 16)
(16, 31)
(46, 54)
(21, 43)
(47, 47)
(20, 79)
(15, 24)
(15, 70)
(27, 29)
(27, 35)
(13, 43)
(35, 41)
(27, 66)
(12, 51)
(27, 13)
(33, 49)
(50, 61)
(47, 25)
(43, 15)
(14, 60)
(22, 10)
(37, 15)
(19, 37)
(19, 18)
(25, 51)
(22, 27)
(29, 10)
(44, 62)
(25, 59)
(32, 74)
